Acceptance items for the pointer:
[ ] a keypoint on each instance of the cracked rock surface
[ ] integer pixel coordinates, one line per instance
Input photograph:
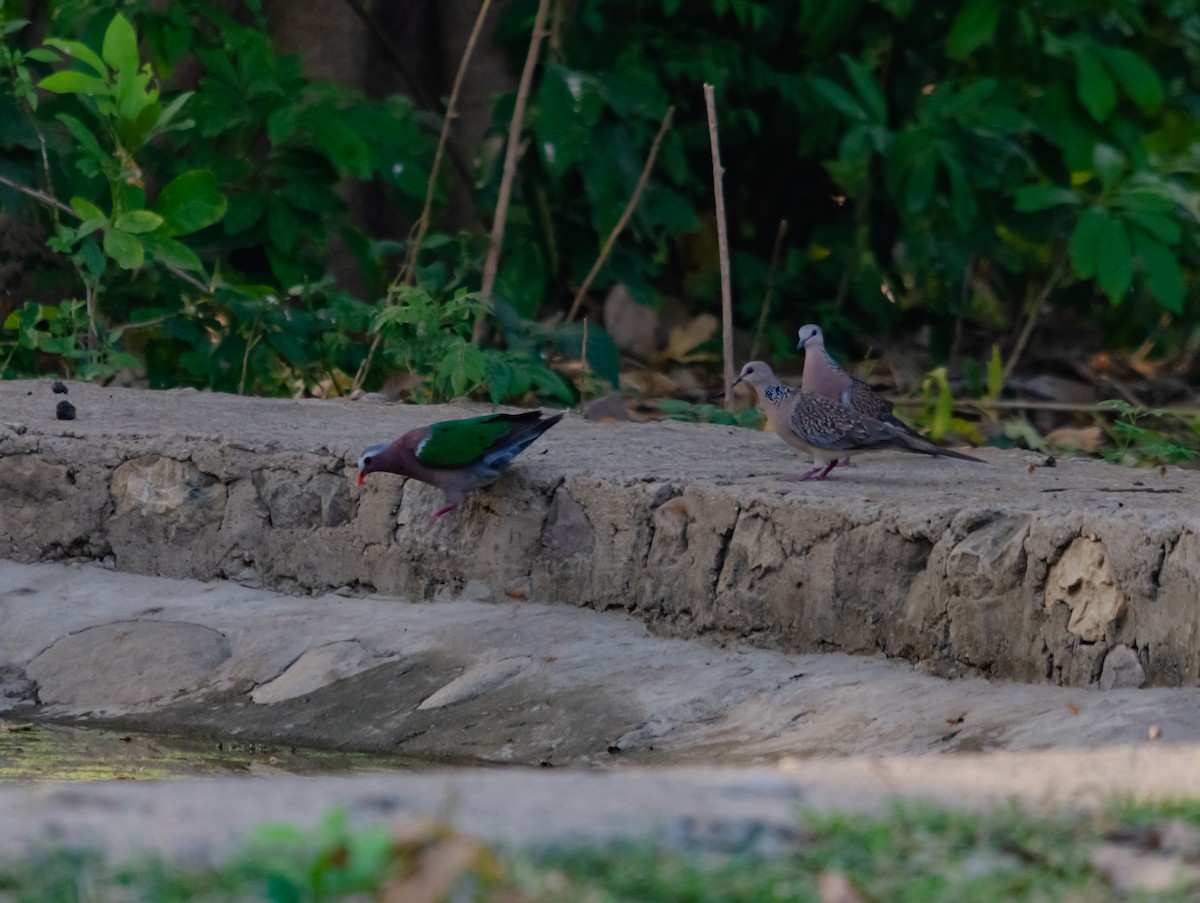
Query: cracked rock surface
(1011, 570)
(504, 682)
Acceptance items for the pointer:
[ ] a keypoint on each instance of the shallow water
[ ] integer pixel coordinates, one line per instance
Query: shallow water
(55, 752)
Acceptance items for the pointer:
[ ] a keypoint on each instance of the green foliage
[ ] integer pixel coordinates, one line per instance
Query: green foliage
(220, 277)
(944, 164)
(1151, 437)
(432, 337)
(909, 852)
(676, 409)
(973, 143)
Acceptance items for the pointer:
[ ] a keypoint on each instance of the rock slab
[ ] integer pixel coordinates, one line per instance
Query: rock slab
(1013, 570)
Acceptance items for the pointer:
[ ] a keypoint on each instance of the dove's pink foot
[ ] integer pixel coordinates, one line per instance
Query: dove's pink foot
(823, 475)
(437, 515)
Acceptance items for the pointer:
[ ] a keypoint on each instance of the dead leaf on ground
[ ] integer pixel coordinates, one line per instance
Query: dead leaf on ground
(835, 887)
(1086, 438)
(683, 340)
(437, 870)
(1132, 870)
(650, 383)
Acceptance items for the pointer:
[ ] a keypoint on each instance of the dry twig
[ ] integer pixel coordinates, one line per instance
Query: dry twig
(491, 264)
(626, 215)
(1031, 319)
(769, 293)
(408, 271)
(722, 245)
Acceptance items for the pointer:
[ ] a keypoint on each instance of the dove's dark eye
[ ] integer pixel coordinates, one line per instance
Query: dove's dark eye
(368, 460)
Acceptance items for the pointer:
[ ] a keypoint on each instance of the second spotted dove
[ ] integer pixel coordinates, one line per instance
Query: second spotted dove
(823, 376)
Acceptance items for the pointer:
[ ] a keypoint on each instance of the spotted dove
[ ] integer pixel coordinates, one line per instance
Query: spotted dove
(826, 429)
(823, 376)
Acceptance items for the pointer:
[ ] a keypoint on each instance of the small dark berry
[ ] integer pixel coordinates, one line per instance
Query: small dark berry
(65, 410)
(58, 388)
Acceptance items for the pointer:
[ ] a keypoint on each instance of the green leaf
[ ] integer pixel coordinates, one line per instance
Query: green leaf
(282, 226)
(962, 198)
(920, 183)
(189, 203)
(995, 373)
(12, 26)
(464, 367)
(1032, 198)
(282, 123)
(601, 351)
(84, 136)
(138, 221)
(125, 249)
(1137, 78)
(81, 52)
(1146, 199)
(120, 48)
(1094, 87)
(1114, 267)
(42, 55)
(872, 97)
(1163, 228)
(88, 226)
(973, 27)
(87, 210)
(1085, 242)
(1164, 277)
(840, 99)
(170, 111)
(171, 252)
(1109, 163)
(71, 81)
(245, 210)
(92, 259)
(569, 106)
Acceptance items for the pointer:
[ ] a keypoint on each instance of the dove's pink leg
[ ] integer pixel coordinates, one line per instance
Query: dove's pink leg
(437, 515)
(823, 475)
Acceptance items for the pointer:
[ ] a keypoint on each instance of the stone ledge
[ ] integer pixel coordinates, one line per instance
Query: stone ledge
(691, 527)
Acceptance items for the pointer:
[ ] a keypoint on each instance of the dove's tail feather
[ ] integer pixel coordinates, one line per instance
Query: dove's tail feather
(916, 444)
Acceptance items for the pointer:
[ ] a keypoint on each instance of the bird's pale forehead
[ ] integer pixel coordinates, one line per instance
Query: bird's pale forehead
(370, 452)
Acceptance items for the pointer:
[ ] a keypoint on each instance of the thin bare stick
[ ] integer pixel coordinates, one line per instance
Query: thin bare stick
(769, 293)
(1066, 407)
(408, 272)
(491, 264)
(626, 215)
(89, 288)
(1035, 311)
(246, 364)
(43, 196)
(710, 104)
(414, 246)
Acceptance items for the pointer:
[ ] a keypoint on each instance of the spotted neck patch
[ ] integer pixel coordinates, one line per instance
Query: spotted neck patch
(776, 394)
(831, 362)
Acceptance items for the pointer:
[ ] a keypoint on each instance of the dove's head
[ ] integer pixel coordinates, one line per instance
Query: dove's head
(810, 332)
(757, 374)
